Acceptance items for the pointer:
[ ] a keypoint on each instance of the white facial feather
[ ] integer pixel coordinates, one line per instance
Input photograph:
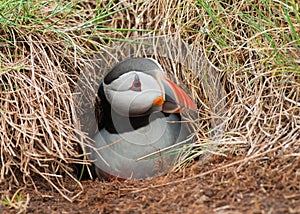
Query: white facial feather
(129, 102)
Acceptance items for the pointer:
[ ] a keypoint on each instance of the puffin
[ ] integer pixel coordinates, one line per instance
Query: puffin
(141, 127)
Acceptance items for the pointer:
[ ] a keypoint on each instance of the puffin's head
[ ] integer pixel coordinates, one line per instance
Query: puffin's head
(138, 86)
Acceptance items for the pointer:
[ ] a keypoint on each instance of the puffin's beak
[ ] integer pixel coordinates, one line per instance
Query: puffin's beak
(175, 98)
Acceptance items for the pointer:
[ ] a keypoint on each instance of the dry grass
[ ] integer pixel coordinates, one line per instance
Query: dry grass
(38, 136)
(253, 46)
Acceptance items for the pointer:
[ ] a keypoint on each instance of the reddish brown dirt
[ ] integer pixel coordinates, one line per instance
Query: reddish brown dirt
(210, 188)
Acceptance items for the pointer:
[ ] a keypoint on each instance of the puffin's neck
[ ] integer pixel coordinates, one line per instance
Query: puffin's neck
(120, 124)
(113, 122)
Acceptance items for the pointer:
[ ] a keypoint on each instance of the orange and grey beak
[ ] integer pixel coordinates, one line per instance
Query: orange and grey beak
(175, 98)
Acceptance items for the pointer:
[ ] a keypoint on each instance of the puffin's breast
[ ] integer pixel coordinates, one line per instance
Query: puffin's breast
(126, 155)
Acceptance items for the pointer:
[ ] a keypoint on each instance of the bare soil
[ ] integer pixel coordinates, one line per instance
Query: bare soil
(221, 185)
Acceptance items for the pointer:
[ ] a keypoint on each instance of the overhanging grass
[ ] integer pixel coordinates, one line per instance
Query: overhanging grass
(268, 30)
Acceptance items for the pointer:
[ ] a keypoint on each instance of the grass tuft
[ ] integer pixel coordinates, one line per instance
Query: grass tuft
(19, 202)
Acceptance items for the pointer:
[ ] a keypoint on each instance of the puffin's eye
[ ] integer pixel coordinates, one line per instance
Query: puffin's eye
(136, 84)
